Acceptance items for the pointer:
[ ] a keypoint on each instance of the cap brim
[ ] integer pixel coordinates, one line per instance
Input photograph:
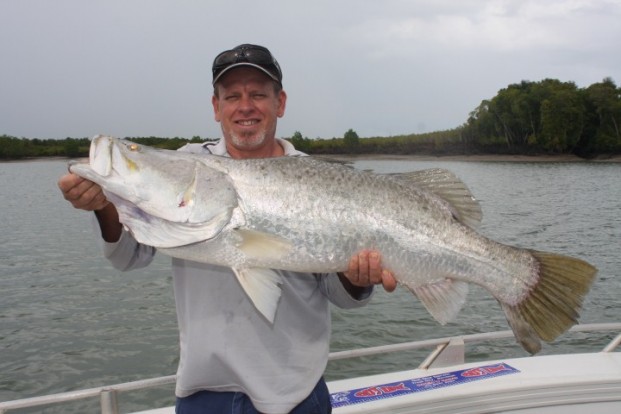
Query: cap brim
(236, 65)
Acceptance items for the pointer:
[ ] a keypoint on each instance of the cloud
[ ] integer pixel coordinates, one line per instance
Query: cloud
(142, 67)
(494, 26)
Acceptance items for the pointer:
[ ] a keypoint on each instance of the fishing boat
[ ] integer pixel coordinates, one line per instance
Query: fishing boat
(444, 382)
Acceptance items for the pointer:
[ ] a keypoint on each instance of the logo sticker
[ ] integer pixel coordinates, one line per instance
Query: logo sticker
(410, 386)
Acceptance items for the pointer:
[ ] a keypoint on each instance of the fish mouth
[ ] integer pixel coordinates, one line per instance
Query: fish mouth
(100, 155)
(108, 155)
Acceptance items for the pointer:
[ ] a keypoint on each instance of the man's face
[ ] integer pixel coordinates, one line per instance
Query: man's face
(247, 108)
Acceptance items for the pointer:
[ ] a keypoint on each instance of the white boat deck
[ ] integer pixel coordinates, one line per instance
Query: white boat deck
(443, 383)
(556, 383)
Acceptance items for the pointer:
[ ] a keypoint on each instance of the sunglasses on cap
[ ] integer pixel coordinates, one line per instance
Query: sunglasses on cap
(246, 55)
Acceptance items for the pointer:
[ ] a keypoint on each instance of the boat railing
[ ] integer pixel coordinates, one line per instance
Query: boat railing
(446, 351)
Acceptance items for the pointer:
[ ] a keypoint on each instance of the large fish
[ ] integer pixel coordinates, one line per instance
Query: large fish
(303, 214)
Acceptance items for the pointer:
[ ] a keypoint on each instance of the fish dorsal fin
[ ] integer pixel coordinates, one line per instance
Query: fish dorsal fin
(444, 299)
(262, 287)
(450, 188)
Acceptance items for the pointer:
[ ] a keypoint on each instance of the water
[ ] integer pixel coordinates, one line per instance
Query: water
(69, 321)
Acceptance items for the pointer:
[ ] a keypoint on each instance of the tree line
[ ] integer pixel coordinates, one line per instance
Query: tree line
(549, 116)
(13, 148)
(545, 117)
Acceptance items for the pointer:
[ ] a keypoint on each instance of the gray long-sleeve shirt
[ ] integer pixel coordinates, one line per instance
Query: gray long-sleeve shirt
(226, 344)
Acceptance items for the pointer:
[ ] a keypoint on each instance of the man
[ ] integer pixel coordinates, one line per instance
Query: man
(232, 359)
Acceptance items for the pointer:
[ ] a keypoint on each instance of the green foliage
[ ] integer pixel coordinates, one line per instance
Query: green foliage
(301, 143)
(71, 147)
(12, 148)
(549, 116)
(604, 120)
(351, 139)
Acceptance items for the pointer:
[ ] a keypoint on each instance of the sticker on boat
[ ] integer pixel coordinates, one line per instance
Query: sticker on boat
(410, 386)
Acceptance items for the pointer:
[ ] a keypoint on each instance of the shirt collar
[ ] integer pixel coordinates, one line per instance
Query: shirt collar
(219, 148)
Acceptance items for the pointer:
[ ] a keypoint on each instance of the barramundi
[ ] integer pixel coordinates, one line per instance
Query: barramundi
(308, 215)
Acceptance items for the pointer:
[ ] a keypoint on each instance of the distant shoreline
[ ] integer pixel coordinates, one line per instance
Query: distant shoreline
(475, 158)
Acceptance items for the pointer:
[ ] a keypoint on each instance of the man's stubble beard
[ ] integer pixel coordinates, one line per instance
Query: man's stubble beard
(251, 142)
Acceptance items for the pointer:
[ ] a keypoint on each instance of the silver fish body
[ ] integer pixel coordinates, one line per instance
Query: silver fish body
(303, 214)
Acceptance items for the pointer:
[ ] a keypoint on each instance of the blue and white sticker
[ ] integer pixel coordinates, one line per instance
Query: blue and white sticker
(410, 386)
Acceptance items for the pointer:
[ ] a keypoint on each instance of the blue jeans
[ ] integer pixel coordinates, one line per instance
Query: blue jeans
(210, 402)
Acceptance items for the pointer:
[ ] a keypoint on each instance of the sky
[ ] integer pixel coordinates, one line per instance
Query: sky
(133, 68)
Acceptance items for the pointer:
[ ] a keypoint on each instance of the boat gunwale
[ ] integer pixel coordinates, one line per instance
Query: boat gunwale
(108, 393)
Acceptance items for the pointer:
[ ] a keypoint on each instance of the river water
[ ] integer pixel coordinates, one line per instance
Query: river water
(69, 321)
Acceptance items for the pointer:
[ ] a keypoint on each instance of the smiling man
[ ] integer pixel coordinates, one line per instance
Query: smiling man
(248, 100)
(233, 360)
(247, 107)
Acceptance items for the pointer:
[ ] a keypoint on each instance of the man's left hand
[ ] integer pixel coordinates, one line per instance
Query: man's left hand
(365, 269)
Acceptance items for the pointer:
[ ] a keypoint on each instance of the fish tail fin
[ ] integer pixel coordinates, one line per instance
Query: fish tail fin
(552, 305)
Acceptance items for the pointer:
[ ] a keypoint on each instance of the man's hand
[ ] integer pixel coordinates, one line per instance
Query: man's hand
(365, 269)
(86, 195)
(81, 193)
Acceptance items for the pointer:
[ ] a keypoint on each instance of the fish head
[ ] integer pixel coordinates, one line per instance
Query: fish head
(165, 198)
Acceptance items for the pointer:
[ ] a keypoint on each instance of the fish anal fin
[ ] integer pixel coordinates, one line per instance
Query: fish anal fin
(443, 299)
(262, 287)
(446, 185)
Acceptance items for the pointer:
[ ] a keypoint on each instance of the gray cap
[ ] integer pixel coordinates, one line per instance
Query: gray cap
(254, 56)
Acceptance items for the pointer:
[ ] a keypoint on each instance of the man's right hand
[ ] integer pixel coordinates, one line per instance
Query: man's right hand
(86, 195)
(82, 193)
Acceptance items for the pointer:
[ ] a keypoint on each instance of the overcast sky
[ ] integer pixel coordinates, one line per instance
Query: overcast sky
(76, 68)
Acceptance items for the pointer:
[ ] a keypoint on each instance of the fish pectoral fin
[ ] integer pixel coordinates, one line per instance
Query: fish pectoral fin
(450, 188)
(444, 299)
(261, 284)
(262, 287)
(261, 245)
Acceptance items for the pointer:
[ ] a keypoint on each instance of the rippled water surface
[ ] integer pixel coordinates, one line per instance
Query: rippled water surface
(69, 321)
